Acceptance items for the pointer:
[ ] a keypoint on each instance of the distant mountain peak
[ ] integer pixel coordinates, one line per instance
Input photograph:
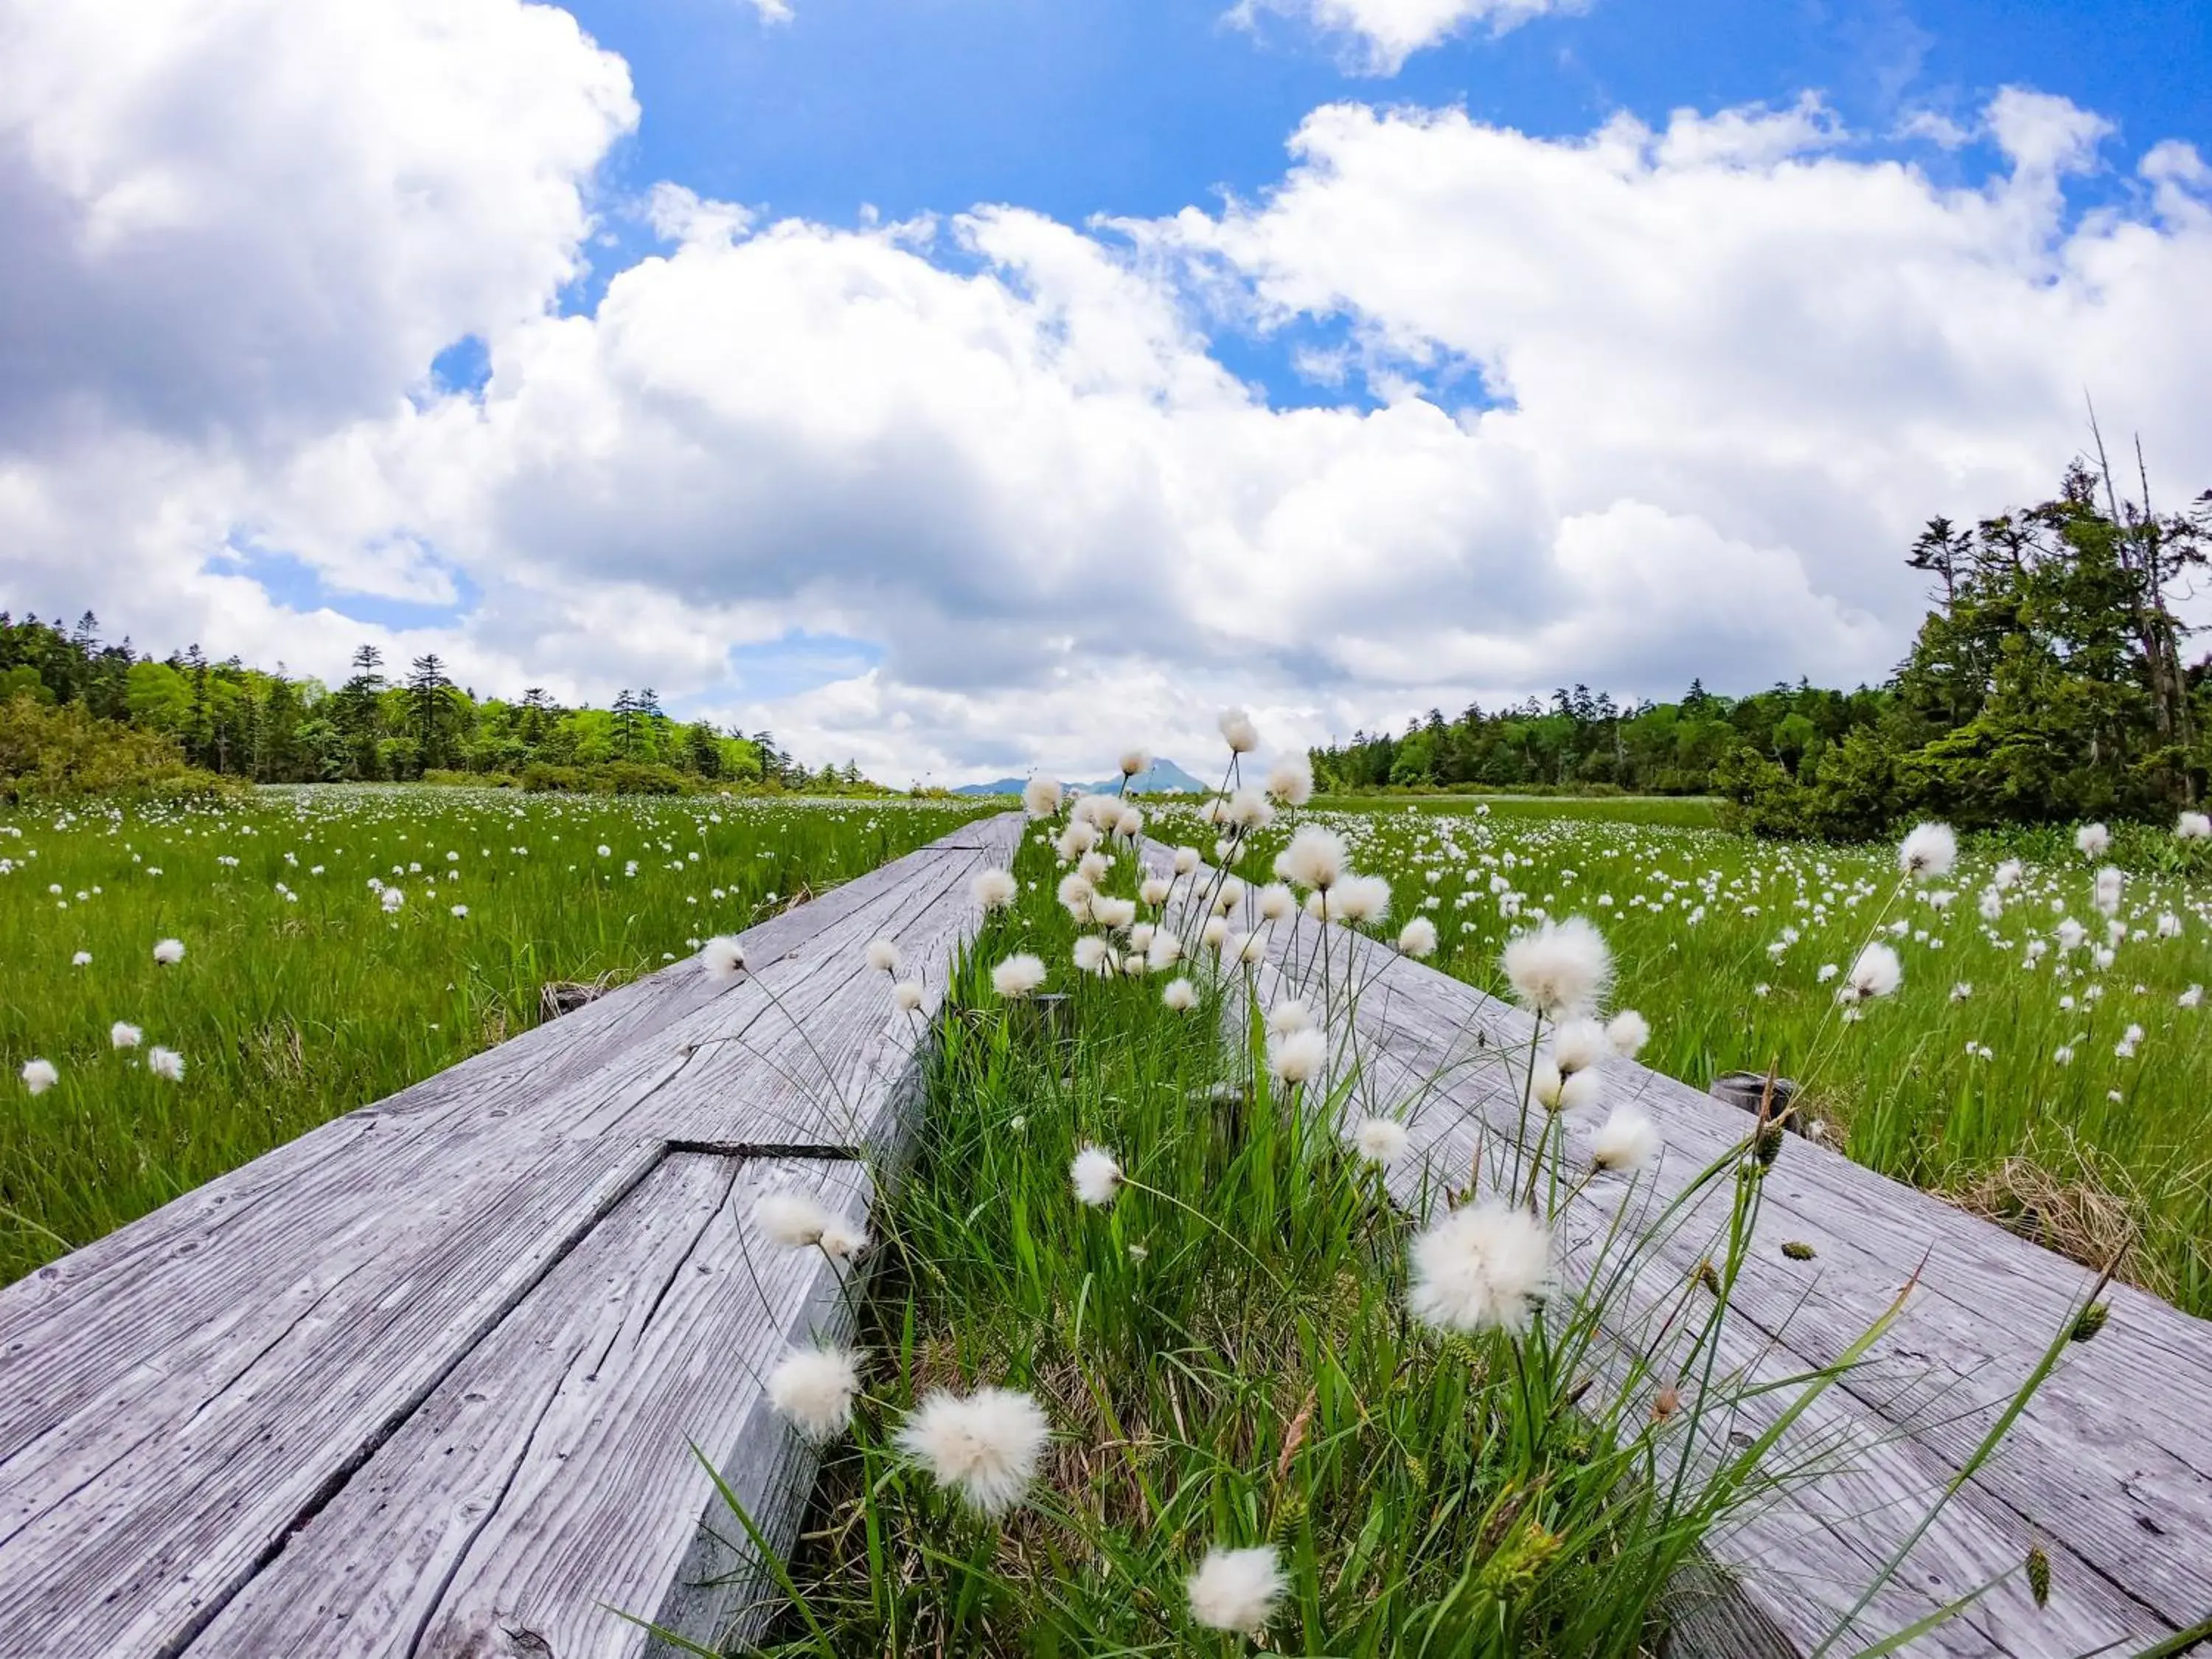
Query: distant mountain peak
(1164, 777)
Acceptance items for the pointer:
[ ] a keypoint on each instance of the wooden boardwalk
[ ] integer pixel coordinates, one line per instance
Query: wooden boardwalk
(2109, 1470)
(426, 1381)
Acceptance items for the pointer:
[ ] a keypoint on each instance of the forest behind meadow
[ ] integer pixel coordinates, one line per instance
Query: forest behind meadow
(2047, 682)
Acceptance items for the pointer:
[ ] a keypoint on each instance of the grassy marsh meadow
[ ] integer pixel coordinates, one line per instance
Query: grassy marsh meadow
(339, 943)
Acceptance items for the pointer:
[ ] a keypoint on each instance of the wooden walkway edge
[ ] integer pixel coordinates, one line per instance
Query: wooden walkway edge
(426, 1382)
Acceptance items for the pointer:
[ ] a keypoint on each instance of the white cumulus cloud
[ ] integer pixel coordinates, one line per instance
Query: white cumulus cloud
(1384, 34)
(1622, 409)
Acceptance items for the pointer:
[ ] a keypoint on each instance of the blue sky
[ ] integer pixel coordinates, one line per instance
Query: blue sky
(1139, 107)
(303, 357)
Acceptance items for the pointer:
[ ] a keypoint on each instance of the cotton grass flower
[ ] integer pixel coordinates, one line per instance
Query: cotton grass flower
(2091, 841)
(1418, 937)
(813, 1390)
(1041, 797)
(1877, 973)
(40, 1075)
(1017, 976)
(1928, 852)
(2194, 826)
(123, 1035)
(1096, 1176)
(1628, 1031)
(907, 995)
(1093, 955)
(2110, 882)
(1238, 732)
(1579, 1044)
(1164, 951)
(1361, 898)
(1291, 780)
(985, 1447)
(883, 956)
(1625, 1143)
(166, 1063)
(722, 959)
(1186, 859)
(1290, 1015)
(1380, 1139)
(1154, 891)
(1236, 1589)
(792, 1219)
(169, 952)
(82, 959)
(1559, 969)
(1298, 1057)
(1314, 857)
(994, 889)
(1134, 761)
(1276, 903)
(1484, 1267)
(1075, 893)
(1180, 996)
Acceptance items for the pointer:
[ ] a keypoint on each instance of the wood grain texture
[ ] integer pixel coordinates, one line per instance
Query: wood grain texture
(2107, 1469)
(550, 1479)
(182, 1403)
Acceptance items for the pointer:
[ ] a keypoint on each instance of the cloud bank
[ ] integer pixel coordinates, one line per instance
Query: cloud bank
(1622, 408)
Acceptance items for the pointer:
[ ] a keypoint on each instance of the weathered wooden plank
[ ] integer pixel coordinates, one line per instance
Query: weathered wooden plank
(169, 1491)
(551, 1478)
(2103, 1470)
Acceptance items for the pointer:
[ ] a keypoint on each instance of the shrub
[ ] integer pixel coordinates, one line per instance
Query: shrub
(50, 752)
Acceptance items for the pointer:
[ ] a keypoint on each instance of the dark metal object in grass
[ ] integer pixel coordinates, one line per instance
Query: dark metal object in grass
(1746, 1091)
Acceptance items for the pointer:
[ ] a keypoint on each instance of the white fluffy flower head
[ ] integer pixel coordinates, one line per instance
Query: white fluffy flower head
(1877, 973)
(1018, 976)
(1298, 1056)
(1314, 857)
(1236, 1589)
(1291, 780)
(985, 1447)
(2091, 841)
(40, 1075)
(1380, 1139)
(722, 959)
(1484, 1266)
(1238, 732)
(883, 956)
(1180, 996)
(169, 952)
(1628, 1031)
(1418, 937)
(813, 1390)
(123, 1035)
(1928, 852)
(166, 1063)
(1097, 1176)
(993, 889)
(1626, 1142)
(1559, 969)
(1041, 797)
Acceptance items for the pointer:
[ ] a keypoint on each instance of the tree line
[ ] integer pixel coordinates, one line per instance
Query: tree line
(2047, 682)
(274, 727)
